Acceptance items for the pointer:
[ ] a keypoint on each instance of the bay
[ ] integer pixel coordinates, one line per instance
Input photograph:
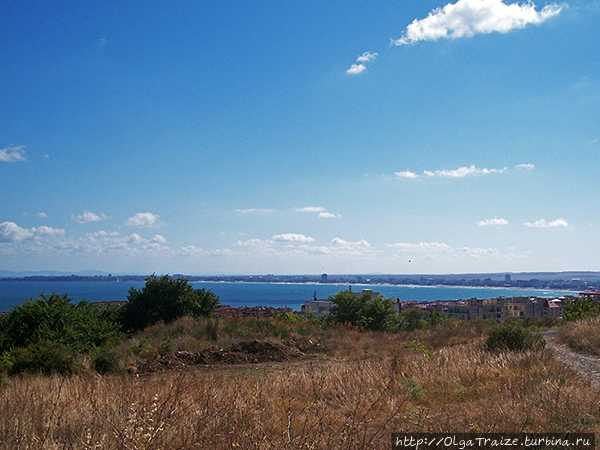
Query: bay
(292, 295)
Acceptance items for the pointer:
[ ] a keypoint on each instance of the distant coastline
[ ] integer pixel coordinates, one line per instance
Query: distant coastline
(569, 281)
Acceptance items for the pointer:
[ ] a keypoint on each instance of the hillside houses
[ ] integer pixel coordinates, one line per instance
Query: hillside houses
(497, 309)
(500, 309)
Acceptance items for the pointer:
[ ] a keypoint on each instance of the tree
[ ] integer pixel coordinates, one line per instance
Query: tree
(580, 309)
(165, 299)
(363, 310)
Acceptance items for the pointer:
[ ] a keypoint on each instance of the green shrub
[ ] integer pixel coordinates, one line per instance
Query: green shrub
(165, 299)
(81, 326)
(376, 314)
(43, 357)
(514, 337)
(286, 316)
(581, 308)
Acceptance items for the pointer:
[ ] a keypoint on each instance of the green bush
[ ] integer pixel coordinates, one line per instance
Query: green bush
(377, 314)
(165, 299)
(514, 337)
(81, 326)
(43, 357)
(286, 316)
(580, 309)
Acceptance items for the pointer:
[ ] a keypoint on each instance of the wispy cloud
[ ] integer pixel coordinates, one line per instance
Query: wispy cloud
(322, 212)
(363, 59)
(100, 43)
(466, 18)
(367, 57)
(310, 209)
(406, 174)
(87, 217)
(12, 154)
(292, 237)
(543, 224)
(356, 248)
(524, 167)
(494, 221)
(143, 220)
(421, 246)
(42, 215)
(461, 172)
(255, 210)
(440, 250)
(328, 215)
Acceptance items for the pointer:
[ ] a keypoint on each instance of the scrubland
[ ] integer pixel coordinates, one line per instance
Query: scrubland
(332, 387)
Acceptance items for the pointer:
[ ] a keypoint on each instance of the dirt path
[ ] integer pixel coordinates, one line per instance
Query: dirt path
(586, 366)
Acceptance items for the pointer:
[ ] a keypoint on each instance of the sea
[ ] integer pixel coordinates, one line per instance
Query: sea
(292, 295)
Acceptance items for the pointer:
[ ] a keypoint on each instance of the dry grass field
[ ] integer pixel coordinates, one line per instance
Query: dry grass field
(351, 391)
(582, 335)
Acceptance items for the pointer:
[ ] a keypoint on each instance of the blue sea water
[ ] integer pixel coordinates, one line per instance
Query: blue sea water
(252, 294)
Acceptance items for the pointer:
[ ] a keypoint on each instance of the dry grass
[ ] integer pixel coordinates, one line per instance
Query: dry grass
(369, 386)
(582, 335)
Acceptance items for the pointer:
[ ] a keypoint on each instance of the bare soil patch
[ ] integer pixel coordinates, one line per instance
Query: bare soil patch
(586, 366)
(250, 352)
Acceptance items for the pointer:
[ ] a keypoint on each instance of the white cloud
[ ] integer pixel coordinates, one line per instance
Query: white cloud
(355, 69)
(12, 154)
(42, 214)
(193, 251)
(48, 231)
(315, 250)
(342, 243)
(143, 220)
(479, 253)
(367, 57)
(322, 212)
(310, 209)
(421, 246)
(11, 232)
(87, 217)
(543, 224)
(406, 174)
(52, 242)
(255, 210)
(291, 237)
(157, 238)
(525, 167)
(328, 215)
(466, 18)
(442, 251)
(356, 248)
(253, 243)
(494, 221)
(462, 172)
(221, 252)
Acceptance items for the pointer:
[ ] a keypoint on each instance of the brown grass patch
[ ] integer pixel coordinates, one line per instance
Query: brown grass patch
(370, 385)
(582, 335)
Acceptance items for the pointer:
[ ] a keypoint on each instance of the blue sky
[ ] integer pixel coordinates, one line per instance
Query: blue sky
(299, 137)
